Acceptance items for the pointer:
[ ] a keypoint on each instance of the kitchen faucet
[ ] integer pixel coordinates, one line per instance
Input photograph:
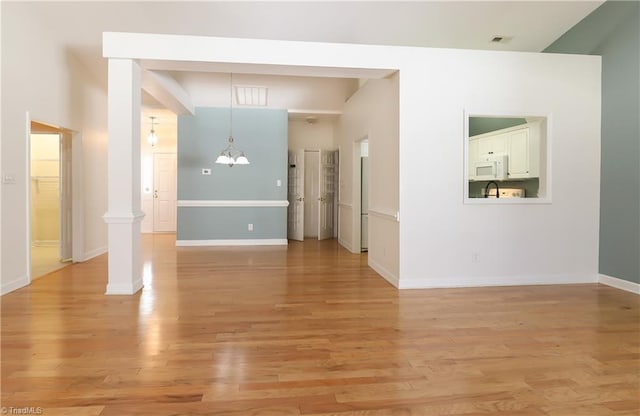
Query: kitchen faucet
(486, 189)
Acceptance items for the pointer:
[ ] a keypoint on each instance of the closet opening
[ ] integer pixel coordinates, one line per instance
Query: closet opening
(50, 197)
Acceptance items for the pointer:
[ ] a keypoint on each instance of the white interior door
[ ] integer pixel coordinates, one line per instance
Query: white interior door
(66, 217)
(327, 194)
(295, 195)
(164, 193)
(311, 193)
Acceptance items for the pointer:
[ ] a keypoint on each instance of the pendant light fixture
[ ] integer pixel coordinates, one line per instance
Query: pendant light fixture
(152, 138)
(230, 155)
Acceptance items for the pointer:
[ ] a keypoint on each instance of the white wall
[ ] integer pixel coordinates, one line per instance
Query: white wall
(516, 244)
(371, 112)
(542, 243)
(316, 136)
(89, 116)
(39, 77)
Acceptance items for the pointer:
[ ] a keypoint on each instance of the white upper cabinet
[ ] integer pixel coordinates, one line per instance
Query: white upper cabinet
(519, 154)
(494, 145)
(520, 143)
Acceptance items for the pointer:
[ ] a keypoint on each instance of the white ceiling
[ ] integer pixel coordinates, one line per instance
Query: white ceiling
(530, 25)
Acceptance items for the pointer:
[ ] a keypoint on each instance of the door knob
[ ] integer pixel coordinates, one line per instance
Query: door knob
(299, 198)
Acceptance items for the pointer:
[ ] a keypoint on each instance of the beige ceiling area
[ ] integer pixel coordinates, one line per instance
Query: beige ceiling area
(523, 25)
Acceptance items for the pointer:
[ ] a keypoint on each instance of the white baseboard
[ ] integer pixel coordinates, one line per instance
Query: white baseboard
(619, 283)
(386, 274)
(124, 289)
(88, 255)
(15, 284)
(481, 281)
(46, 243)
(344, 244)
(258, 242)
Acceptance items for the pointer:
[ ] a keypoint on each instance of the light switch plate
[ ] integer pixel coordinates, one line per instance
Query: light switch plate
(206, 171)
(8, 178)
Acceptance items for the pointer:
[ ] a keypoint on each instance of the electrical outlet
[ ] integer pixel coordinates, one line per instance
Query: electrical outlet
(278, 183)
(250, 227)
(206, 171)
(475, 257)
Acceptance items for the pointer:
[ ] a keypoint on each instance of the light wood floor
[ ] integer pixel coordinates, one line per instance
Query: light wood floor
(45, 259)
(309, 329)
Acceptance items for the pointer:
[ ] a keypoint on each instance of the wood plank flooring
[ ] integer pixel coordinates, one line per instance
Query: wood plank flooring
(308, 329)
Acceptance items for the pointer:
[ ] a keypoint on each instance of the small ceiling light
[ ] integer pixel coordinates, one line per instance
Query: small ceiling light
(152, 138)
(230, 155)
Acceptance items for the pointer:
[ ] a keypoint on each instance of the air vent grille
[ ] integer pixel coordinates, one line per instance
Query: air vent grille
(248, 95)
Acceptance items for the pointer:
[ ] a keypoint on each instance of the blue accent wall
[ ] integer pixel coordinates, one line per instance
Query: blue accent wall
(481, 125)
(613, 32)
(262, 135)
(230, 223)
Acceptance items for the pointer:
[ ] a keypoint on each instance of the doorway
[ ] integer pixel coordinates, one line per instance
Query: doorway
(50, 199)
(312, 177)
(364, 195)
(159, 193)
(311, 193)
(164, 192)
(360, 225)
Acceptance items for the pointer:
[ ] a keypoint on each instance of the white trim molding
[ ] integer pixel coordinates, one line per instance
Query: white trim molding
(377, 213)
(247, 242)
(223, 203)
(46, 243)
(124, 289)
(619, 283)
(88, 255)
(345, 244)
(482, 281)
(385, 273)
(128, 218)
(14, 285)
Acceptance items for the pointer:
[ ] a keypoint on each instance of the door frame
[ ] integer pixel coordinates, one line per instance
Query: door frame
(300, 154)
(77, 205)
(328, 204)
(356, 225)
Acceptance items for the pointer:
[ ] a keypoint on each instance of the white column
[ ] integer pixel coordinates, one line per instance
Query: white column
(124, 214)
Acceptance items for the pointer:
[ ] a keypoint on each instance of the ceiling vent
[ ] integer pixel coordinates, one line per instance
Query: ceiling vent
(501, 39)
(251, 95)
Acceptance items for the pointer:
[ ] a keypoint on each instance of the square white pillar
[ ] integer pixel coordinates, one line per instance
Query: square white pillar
(124, 214)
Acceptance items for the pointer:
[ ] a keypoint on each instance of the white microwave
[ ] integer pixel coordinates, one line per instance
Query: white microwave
(490, 168)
